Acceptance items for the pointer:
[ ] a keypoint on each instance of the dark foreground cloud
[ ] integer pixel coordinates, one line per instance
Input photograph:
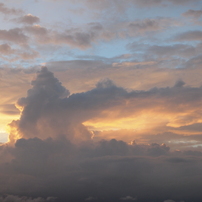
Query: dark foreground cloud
(25, 199)
(51, 156)
(103, 171)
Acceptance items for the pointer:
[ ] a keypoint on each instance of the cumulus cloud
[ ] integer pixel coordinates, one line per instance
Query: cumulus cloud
(29, 19)
(44, 107)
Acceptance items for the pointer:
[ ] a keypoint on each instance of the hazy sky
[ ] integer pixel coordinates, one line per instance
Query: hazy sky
(101, 100)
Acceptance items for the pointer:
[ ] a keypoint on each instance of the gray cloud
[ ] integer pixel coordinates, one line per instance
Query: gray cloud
(169, 200)
(25, 199)
(193, 13)
(163, 2)
(90, 198)
(4, 9)
(51, 166)
(36, 30)
(75, 37)
(5, 49)
(120, 5)
(128, 198)
(174, 50)
(189, 36)
(29, 19)
(10, 54)
(15, 35)
(147, 25)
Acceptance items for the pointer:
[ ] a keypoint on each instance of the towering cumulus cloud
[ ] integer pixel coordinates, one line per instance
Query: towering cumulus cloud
(52, 157)
(43, 111)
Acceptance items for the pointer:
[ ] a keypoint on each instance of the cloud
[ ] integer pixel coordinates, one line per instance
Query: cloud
(172, 51)
(128, 198)
(106, 106)
(10, 11)
(10, 54)
(189, 36)
(121, 6)
(52, 166)
(26, 199)
(44, 108)
(36, 30)
(15, 35)
(5, 49)
(90, 198)
(162, 2)
(52, 153)
(74, 37)
(147, 25)
(169, 200)
(193, 13)
(29, 19)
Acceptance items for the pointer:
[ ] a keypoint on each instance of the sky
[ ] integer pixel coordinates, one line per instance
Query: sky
(101, 100)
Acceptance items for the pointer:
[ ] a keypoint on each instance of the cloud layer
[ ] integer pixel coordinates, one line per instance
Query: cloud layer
(51, 154)
(116, 116)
